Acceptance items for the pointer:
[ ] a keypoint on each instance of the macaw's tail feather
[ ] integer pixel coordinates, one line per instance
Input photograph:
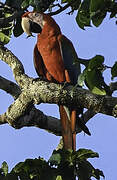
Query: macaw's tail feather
(68, 121)
(81, 124)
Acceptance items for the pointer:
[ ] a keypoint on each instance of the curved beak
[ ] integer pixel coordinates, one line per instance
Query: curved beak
(34, 27)
(30, 27)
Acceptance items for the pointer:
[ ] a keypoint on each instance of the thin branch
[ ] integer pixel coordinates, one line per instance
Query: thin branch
(61, 9)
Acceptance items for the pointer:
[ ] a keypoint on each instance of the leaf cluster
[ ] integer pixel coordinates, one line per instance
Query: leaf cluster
(61, 165)
(14, 9)
(93, 75)
(91, 11)
(5, 29)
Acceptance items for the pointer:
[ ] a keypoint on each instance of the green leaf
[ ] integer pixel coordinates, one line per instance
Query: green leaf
(85, 166)
(93, 76)
(83, 154)
(96, 5)
(90, 171)
(97, 173)
(58, 178)
(96, 63)
(81, 157)
(5, 168)
(113, 10)
(25, 4)
(83, 16)
(98, 18)
(32, 3)
(62, 155)
(76, 4)
(6, 29)
(4, 39)
(63, 1)
(66, 1)
(94, 81)
(55, 159)
(97, 90)
(97, 11)
(34, 168)
(114, 70)
(80, 24)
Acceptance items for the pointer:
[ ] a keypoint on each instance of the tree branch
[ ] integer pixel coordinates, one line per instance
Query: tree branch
(10, 87)
(18, 70)
(22, 112)
(35, 117)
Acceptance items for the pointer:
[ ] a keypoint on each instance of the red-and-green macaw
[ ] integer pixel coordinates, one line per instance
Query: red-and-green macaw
(53, 59)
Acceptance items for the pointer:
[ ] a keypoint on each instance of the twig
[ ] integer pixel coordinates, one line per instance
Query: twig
(59, 10)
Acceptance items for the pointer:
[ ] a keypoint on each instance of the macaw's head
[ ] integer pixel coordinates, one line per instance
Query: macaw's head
(32, 22)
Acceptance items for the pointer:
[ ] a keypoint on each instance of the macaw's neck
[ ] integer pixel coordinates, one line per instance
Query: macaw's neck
(50, 28)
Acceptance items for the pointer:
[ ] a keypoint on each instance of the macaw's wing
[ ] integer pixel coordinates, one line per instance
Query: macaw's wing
(69, 55)
(38, 62)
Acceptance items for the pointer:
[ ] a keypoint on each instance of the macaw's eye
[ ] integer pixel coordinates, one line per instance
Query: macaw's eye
(36, 14)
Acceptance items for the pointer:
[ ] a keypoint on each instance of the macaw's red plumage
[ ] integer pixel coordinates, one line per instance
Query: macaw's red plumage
(53, 59)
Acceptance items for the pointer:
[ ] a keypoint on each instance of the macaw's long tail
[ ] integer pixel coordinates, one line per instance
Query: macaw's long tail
(68, 122)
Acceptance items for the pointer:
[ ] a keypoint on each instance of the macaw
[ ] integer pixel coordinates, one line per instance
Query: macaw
(54, 55)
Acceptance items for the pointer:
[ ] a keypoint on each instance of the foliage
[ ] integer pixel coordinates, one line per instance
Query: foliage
(93, 75)
(61, 165)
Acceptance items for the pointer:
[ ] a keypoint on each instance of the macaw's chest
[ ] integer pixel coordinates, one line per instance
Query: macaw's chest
(48, 45)
(52, 58)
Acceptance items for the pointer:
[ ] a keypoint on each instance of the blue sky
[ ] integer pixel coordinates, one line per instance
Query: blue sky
(17, 145)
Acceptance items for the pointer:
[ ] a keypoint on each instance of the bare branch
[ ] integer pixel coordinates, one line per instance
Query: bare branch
(15, 64)
(88, 115)
(10, 87)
